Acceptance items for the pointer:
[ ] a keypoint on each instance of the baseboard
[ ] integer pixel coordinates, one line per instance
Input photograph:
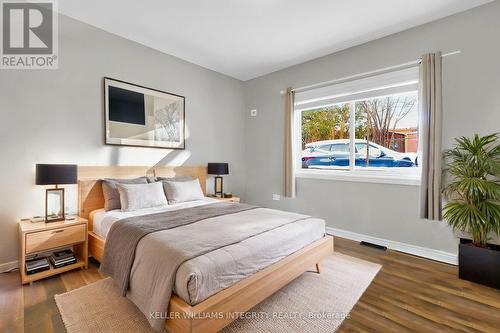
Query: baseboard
(8, 266)
(432, 254)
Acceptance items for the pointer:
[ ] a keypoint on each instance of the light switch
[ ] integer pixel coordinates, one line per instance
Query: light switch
(253, 113)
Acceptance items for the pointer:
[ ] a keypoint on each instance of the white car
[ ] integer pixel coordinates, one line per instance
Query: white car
(340, 148)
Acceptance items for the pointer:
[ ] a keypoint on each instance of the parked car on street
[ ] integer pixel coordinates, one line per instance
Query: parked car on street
(336, 153)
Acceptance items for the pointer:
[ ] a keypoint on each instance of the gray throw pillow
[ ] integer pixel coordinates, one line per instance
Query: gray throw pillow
(111, 194)
(183, 191)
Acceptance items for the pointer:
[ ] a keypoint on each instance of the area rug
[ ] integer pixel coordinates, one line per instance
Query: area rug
(311, 303)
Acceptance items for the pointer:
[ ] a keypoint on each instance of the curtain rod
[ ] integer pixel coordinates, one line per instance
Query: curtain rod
(365, 74)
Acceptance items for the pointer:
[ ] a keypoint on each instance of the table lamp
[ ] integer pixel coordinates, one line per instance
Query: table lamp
(218, 169)
(55, 174)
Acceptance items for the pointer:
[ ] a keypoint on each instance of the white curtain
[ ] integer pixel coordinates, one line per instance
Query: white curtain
(430, 124)
(289, 165)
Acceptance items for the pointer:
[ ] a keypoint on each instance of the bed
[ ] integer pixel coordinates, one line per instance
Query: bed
(228, 280)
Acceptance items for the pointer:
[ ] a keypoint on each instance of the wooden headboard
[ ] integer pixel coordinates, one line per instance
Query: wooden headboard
(90, 195)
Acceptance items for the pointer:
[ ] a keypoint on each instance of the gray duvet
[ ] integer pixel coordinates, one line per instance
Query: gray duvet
(123, 237)
(201, 277)
(161, 255)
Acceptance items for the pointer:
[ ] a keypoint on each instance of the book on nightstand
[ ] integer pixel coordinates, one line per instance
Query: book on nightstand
(37, 265)
(62, 258)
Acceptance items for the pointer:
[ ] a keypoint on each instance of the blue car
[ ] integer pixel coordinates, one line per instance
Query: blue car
(343, 161)
(336, 153)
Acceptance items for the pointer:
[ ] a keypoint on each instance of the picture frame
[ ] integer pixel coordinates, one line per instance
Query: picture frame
(139, 116)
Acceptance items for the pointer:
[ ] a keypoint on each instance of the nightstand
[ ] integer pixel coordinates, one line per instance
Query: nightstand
(232, 199)
(37, 238)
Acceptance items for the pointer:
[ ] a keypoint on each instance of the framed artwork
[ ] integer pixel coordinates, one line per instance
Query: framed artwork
(143, 117)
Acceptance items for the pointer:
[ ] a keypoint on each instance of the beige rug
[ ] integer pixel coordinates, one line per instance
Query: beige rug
(311, 303)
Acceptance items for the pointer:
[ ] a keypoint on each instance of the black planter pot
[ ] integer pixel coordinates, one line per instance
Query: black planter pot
(479, 265)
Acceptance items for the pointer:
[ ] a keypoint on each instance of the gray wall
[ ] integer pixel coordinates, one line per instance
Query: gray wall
(57, 117)
(471, 105)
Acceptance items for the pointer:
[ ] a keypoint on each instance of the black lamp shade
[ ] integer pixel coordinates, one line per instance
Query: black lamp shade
(56, 174)
(218, 168)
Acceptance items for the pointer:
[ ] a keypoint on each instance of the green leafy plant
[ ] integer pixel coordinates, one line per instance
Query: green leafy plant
(473, 191)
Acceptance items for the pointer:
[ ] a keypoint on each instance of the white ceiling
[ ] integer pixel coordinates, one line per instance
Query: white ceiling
(249, 38)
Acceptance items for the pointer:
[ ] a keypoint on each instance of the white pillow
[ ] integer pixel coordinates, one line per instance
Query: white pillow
(138, 196)
(182, 191)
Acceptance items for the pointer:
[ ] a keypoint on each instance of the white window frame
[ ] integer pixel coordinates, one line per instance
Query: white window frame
(399, 176)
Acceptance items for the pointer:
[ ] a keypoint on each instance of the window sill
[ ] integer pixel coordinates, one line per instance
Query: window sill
(360, 176)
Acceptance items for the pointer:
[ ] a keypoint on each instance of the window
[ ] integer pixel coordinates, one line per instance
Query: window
(366, 128)
(320, 125)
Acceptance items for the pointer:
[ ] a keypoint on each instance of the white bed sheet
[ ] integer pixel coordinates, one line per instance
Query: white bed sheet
(103, 220)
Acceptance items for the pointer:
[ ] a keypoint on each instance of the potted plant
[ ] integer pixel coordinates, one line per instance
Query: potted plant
(473, 206)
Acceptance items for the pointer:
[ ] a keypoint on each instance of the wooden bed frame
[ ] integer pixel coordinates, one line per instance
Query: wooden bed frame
(219, 310)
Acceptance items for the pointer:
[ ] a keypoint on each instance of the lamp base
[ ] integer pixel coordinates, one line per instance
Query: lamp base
(218, 187)
(54, 198)
(57, 218)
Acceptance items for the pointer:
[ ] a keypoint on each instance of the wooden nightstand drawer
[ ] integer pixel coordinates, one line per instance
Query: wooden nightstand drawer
(44, 240)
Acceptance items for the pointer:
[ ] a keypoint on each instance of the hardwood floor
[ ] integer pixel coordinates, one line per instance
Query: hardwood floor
(31, 308)
(409, 294)
(412, 294)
